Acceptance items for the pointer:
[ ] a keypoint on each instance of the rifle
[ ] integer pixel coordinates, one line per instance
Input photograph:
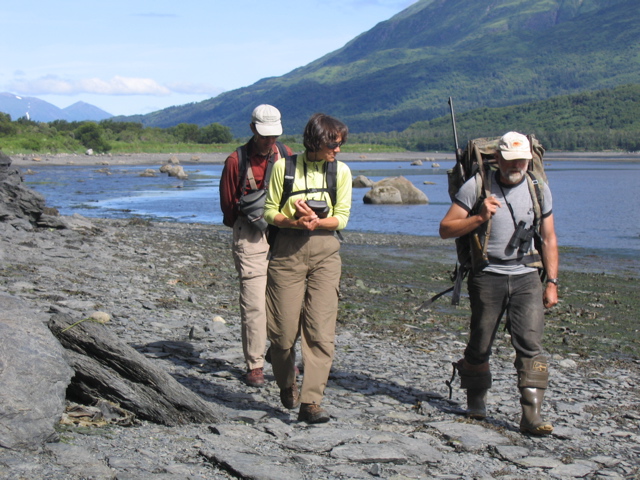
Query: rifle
(455, 131)
(458, 165)
(453, 123)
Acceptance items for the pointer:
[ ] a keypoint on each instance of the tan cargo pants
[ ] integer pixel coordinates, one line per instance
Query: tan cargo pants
(250, 250)
(302, 296)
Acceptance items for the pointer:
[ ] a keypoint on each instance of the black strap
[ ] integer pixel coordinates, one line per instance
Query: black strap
(513, 215)
(426, 303)
(289, 177)
(330, 173)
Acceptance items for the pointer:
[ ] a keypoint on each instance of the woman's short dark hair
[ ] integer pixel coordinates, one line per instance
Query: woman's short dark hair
(322, 129)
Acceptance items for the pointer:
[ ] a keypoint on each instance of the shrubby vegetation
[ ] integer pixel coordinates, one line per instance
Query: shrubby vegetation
(61, 136)
(594, 121)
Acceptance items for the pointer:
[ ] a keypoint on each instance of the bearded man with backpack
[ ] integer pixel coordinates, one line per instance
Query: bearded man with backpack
(507, 280)
(243, 185)
(308, 204)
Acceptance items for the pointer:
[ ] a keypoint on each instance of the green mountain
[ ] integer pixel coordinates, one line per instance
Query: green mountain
(484, 53)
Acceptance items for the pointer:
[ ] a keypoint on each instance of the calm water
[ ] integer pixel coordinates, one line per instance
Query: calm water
(596, 204)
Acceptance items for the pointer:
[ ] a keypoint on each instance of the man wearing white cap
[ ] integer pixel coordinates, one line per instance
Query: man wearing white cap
(509, 281)
(250, 248)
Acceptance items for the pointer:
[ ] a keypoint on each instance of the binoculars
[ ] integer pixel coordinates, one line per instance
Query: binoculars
(521, 238)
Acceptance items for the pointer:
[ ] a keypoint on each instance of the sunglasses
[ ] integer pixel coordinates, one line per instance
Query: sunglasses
(333, 145)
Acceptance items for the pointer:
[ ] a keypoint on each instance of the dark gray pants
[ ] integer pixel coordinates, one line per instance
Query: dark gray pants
(491, 295)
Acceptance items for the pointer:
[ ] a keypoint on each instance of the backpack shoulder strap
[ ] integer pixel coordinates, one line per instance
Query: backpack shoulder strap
(282, 150)
(243, 163)
(331, 174)
(537, 196)
(483, 188)
(283, 154)
(332, 180)
(289, 177)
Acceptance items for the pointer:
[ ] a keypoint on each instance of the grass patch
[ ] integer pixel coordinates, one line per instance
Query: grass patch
(596, 316)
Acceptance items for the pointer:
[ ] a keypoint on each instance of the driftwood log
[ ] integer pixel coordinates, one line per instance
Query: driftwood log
(108, 369)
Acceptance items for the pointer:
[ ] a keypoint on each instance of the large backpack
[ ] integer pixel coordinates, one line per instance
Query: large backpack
(251, 201)
(478, 160)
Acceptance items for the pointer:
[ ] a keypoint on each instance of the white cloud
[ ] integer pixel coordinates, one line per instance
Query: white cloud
(194, 88)
(118, 85)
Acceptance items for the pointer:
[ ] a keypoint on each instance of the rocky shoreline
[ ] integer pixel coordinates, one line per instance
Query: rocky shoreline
(33, 160)
(171, 292)
(193, 158)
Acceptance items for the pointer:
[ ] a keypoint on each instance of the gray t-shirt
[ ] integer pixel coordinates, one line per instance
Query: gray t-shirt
(503, 225)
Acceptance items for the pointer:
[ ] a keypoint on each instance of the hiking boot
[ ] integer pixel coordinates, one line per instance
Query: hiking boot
(255, 377)
(312, 413)
(290, 397)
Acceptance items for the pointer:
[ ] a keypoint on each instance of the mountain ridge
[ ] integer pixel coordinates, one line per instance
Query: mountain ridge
(18, 106)
(486, 53)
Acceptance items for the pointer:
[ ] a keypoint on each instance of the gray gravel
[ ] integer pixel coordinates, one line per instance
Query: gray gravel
(171, 292)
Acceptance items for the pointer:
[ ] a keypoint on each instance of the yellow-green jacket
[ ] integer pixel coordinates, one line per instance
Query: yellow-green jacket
(315, 178)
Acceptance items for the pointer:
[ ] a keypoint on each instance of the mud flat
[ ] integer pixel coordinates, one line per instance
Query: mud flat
(171, 292)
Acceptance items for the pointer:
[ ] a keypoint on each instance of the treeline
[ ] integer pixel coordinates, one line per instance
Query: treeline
(593, 121)
(26, 136)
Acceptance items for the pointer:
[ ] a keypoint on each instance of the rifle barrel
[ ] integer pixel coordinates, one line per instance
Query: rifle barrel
(453, 122)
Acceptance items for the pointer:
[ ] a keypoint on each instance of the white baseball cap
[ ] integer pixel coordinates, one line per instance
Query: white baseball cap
(515, 146)
(267, 120)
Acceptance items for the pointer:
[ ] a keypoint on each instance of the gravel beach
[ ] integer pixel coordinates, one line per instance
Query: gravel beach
(32, 160)
(194, 158)
(171, 292)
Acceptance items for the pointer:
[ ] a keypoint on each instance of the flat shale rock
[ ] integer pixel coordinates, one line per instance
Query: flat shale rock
(33, 377)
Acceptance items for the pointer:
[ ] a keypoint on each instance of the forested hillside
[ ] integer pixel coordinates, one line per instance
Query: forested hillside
(608, 119)
(484, 53)
(604, 120)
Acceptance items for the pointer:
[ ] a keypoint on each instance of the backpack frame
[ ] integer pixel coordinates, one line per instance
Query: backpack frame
(478, 160)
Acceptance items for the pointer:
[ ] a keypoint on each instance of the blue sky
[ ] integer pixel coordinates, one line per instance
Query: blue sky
(139, 56)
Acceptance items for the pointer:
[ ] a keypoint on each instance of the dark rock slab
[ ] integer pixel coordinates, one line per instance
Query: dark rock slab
(107, 368)
(33, 377)
(17, 202)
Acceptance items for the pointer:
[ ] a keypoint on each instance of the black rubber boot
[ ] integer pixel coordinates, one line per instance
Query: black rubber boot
(476, 380)
(476, 403)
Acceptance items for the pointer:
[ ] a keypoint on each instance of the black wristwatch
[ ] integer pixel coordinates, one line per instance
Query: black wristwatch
(553, 280)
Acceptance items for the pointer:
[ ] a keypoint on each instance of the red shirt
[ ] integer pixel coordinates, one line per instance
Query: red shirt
(230, 191)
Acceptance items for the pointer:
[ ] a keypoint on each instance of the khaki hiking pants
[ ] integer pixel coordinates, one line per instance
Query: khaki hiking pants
(250, 250)
(302, 296)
